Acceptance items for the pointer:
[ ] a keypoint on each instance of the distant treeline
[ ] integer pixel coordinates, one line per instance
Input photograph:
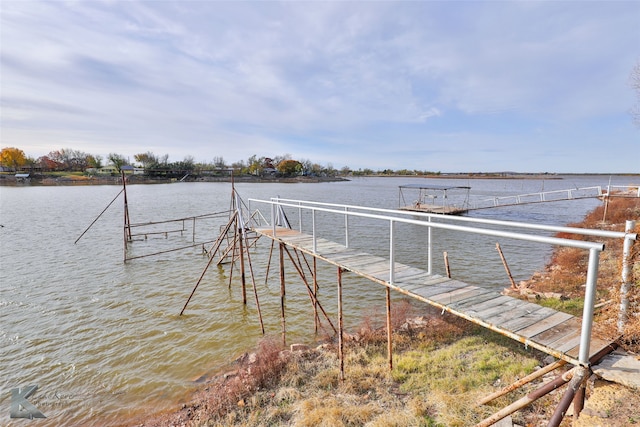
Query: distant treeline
(13, 159)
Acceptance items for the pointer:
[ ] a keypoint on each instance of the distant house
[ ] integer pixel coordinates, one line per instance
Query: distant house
(23, 177)
(132, 170)
(108, 170)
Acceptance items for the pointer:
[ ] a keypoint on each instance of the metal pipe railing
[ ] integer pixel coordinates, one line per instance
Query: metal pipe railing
(396, 216)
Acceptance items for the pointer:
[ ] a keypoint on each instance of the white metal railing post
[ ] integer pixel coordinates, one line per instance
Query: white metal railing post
(391, 253)
(300, 215)
(273, 219)
(346, 226)
(429, 249)
(589, 302)
(313, 228)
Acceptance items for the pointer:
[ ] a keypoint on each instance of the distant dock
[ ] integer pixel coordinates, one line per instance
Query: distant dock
(432, 199)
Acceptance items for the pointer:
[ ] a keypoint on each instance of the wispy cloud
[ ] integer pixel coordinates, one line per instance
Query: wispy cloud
(322, 80)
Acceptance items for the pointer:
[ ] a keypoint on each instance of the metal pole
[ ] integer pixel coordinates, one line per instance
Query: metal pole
(389, 332)
(528, 399)
(94, 221)
(346, 227)
(315, 295)
(446, 264)
(589, 302)
(540, 372)
(242, 273)
(273, 219)
(506, 266)
(581, 374)
(623, 315)
(313, 228)
(340, 326)
(282, 296)
(429, 250)
(391, 253)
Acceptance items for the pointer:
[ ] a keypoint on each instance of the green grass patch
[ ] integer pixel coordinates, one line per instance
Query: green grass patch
(572, 306)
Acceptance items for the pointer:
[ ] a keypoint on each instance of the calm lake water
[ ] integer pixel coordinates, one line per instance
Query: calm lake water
(102, 339)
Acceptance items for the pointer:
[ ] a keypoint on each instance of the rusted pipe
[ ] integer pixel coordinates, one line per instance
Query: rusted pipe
(340, 326)
(282, 295)
(534, 375)
(310, 292)
(528, 399)
(389, 331)
(581, 374)
(446, 264)
(506, 266)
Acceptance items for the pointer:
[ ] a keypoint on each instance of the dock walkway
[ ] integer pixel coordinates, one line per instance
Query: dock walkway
(548, 330)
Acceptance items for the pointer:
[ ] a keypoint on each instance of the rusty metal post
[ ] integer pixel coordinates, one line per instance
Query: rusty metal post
(282, 296)
(340, 326)
(389, 331)
(506, 266)
(266, 275)
(581, 374)
(315, 295)
(578, 400)
(532, 376)
(528, 399)
(242, 272)
(446, 264)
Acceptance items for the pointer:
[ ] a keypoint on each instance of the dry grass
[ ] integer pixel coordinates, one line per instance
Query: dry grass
(566, 273)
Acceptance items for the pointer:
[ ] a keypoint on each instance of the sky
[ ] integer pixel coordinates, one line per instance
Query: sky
(448, 86)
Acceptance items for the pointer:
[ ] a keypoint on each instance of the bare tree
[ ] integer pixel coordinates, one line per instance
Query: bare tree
(117, 160)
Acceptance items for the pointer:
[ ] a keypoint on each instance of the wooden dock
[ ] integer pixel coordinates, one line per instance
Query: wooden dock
(548, 330)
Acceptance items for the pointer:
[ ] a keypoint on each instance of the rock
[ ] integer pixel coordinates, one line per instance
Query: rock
(230, 375)
(253, 358)
(299, 347)
(505, 422)
(621, 368)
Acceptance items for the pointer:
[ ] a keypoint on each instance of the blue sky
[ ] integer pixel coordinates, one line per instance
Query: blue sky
(451, 86)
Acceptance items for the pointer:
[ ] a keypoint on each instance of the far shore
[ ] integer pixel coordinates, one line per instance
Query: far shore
(10, 178)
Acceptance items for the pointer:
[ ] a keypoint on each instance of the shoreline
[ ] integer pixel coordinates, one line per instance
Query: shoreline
(10, 180)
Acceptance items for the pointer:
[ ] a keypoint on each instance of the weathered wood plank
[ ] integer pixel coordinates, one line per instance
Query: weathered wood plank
(528, 319)
(471, 301)
(595, 346)
(429, 291)
(495, 302)
(543, 324)
(497, 310)
(519, 310)
(450, 296)
(408, 274)
(556, 332)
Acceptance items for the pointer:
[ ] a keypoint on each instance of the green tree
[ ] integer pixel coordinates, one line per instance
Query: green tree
(146, 159)
(12, 157)
(289, 167)
(94, 161)
(117, 160)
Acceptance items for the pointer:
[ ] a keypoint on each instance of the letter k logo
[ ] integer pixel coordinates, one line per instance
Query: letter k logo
(20, 407)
